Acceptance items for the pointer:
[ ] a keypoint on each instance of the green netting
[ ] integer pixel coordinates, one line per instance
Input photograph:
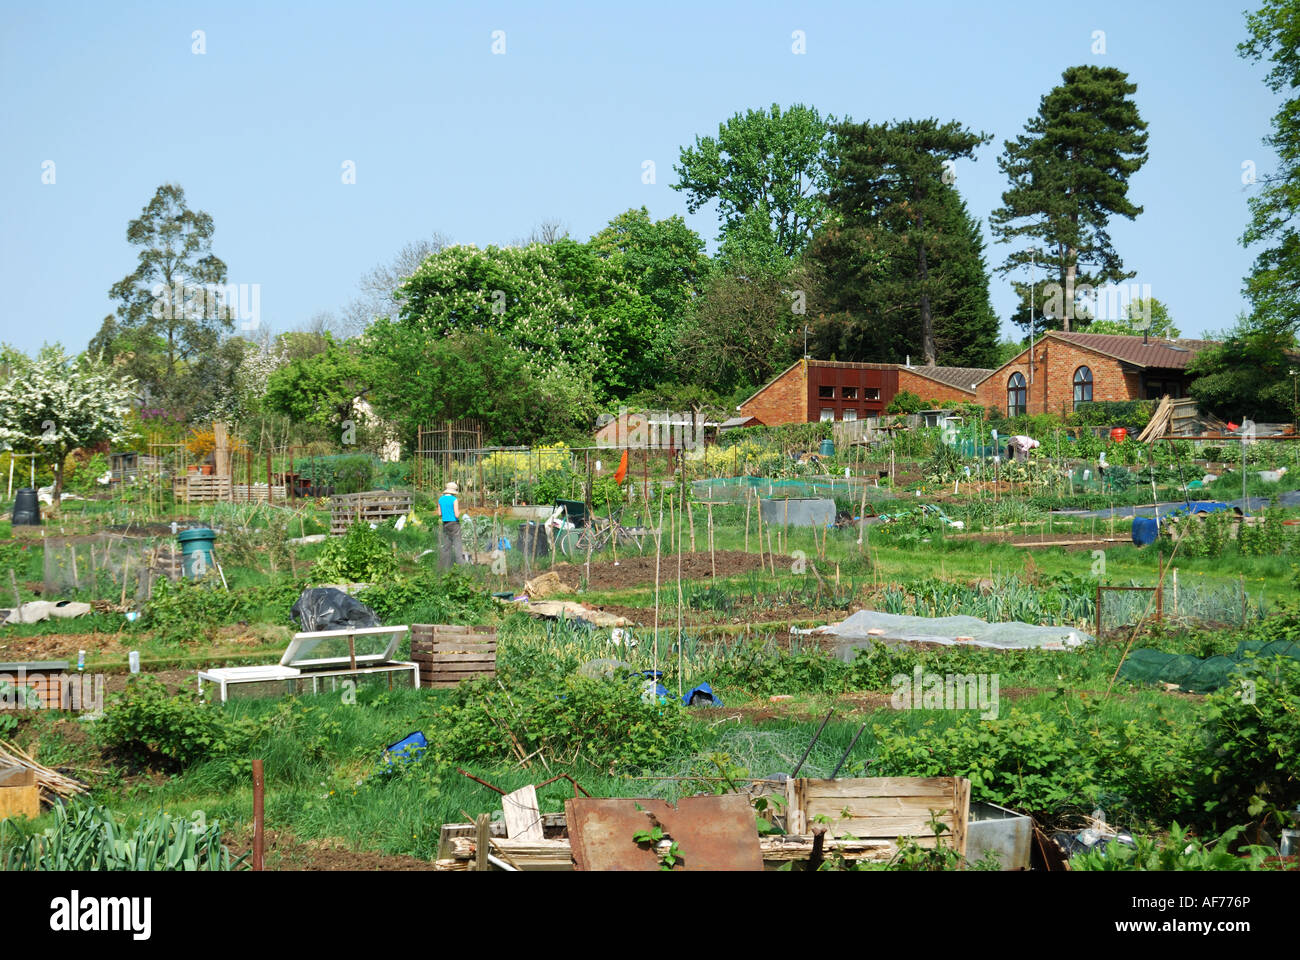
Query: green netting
(1199, 675)
(740, 488)
(1085, 478)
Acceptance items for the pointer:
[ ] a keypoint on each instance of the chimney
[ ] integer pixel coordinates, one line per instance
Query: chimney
(909, 359)
(1145, 331)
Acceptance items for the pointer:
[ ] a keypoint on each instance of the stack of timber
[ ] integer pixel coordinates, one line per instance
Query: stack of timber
(369, 506)
(1180, 418)
(881, 812)
(449, 654)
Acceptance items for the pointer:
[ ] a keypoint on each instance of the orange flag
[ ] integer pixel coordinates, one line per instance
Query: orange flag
(622, 469)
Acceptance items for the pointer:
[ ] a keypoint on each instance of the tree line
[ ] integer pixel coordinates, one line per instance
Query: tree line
(848, 240)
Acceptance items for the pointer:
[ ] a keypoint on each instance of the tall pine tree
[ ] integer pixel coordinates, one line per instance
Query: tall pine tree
(900, 260)
(1069, 173)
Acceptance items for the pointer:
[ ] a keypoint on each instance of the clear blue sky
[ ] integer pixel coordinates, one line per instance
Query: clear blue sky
(448, 137)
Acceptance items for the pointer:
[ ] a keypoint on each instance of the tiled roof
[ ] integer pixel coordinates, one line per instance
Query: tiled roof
(963, 378)
(1164, 354)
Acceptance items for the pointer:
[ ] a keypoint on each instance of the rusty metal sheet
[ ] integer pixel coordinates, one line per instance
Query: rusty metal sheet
(712, 833)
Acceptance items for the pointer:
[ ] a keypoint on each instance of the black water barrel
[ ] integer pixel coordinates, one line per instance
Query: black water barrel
(27, 509)
(534, 540)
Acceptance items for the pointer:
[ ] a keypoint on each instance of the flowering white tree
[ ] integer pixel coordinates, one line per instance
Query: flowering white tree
(56, 404)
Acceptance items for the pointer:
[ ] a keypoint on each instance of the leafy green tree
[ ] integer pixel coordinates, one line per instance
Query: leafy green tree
(890, 190)
(470, 373)
(571, 310)
(1135, 321)
(764, 170)
(743, 330)
(322, 388)
(1274, 282)
(663, 259)
(1248, 375)
(56, 404)
(1069, 174)
(170, 320)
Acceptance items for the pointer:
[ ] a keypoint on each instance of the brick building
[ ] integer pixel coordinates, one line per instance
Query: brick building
(811, 390)
(1069, 369)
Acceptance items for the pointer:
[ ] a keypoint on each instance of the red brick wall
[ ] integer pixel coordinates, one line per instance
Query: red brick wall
(1053, 388)
(784, 400)
(928, 389)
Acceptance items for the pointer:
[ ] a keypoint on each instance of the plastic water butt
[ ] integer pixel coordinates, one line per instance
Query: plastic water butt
(27, 509)
(196, 551)
(1145, 531)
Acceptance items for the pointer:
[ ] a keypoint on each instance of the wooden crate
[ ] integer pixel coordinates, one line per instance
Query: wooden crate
(882, 808)
(449, 654)
(45, 677)
(370, 506)
(20, 795)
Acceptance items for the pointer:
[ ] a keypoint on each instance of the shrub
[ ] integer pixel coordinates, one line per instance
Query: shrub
(152, 728)
(360, 556)
(1023, 760)
(1252, 766)
(905, 401)
(452, 598)
(603, 722)
(1179, 851)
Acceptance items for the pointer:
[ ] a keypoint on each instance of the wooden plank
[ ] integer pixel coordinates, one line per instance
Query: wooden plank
(457, 636)
(796, 822)
(522, 816)
(882, 787)
(868, 807)
(481, 835)
(961, 815)
(878, 828)
(451, 645)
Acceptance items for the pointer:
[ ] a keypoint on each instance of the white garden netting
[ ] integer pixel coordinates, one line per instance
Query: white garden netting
(866, 627)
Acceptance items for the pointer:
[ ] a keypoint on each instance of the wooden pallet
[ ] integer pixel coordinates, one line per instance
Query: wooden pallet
(449, 654)
(196, 488)
(370, 506)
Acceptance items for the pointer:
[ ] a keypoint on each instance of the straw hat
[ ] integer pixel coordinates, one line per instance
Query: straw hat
(451, 487)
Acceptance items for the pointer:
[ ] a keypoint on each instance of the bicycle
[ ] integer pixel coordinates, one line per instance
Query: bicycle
(598, 534)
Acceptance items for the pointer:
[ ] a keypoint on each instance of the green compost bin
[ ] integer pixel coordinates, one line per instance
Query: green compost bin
(196, 551)
(827, 448)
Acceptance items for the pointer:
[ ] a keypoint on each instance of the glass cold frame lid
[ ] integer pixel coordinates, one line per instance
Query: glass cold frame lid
(374, 645)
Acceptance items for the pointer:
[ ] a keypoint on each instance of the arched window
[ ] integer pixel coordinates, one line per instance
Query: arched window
(1082, 386)
(1017, 395)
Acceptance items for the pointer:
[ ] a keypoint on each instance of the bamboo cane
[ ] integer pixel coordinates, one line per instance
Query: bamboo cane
(713, 564)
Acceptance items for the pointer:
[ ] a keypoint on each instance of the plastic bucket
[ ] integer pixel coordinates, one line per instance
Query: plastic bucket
(196, 551)
(827, 448)
(27, 509)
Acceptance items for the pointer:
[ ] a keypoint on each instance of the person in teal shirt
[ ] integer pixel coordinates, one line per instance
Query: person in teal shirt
(451, 551)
